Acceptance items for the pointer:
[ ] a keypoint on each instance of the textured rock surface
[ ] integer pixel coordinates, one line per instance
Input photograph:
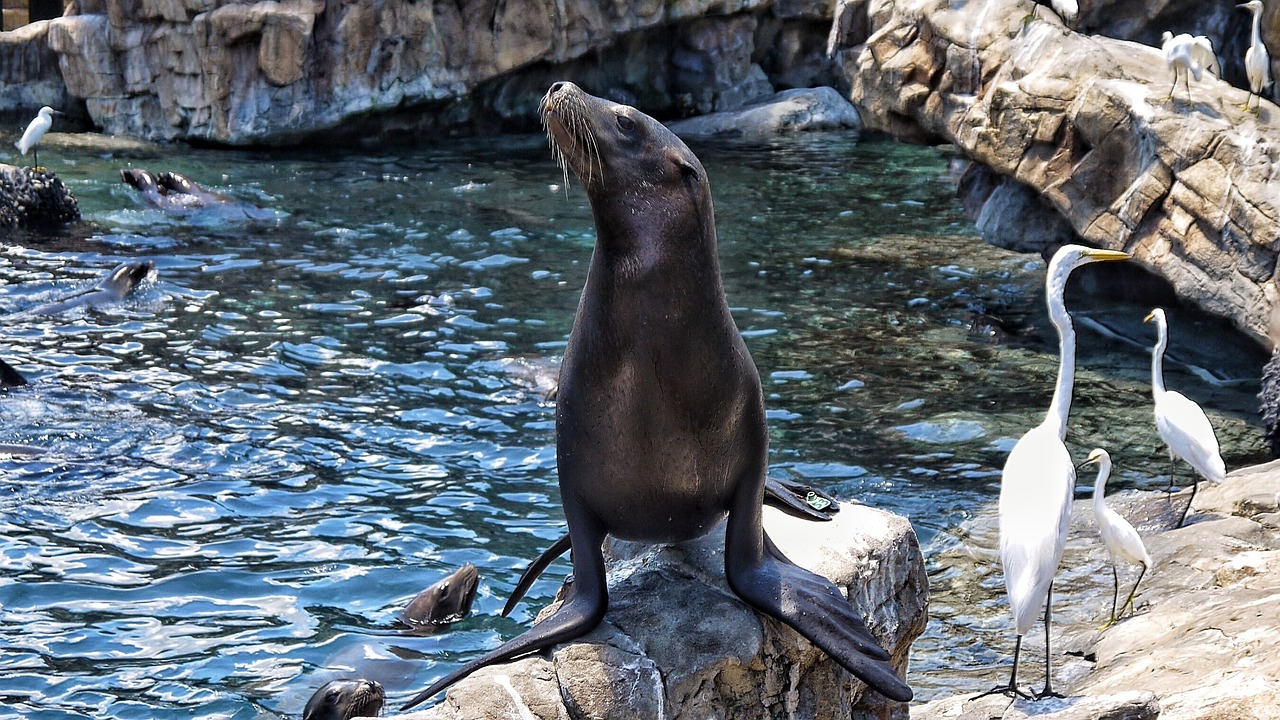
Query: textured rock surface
(280, 71)
(30, 198)
(1187, 187)
(677, 644)
(29, 75)
(788, 111)
(1203, 638)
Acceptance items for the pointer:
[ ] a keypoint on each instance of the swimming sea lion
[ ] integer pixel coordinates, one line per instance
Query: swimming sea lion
(111, 289)
(175, 183)
(660, 424)
(144, 182)
(446, 601)
(345, 699)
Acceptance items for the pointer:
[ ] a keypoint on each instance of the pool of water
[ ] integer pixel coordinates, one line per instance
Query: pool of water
(252, 463)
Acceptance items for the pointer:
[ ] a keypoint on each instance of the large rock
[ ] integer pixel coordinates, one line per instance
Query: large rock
(30, 78)
(795, 110)
(1187, 186)
(676, 643)
(34, 198)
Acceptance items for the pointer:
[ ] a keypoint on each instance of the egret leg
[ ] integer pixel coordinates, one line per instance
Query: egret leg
(1115, 593)
(1174, 86)
(1128, 603)
(35, 153)
(1011, 689)
(1185, 510)
(1048, 674)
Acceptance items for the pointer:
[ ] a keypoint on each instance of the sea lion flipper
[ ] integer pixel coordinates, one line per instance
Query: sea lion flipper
(800, 499)
(810, 604)
(9, 377)
(535, 569)
(582, 610)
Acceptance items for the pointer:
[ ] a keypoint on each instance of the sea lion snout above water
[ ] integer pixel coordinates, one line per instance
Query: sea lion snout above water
(345, 699)
(444, 602)
(111, 289)
(660, 423)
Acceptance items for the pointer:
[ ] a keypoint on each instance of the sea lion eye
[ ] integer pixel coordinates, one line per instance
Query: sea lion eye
(626, 123)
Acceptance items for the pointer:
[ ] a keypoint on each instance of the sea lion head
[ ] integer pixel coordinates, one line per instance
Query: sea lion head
(139, 179)
(611, 146)
(126, 276)
(175, 183)
(345, 699)
(445, 601)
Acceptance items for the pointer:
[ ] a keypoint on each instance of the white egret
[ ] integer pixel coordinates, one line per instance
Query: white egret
(36, 130)
(1257, 64)
(1038, 479)
(1181, 423)
(1067, 10)
(1190, 55)
(1118, 535)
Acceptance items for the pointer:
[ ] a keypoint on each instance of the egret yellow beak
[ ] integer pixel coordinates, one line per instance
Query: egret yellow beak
(1099, 255)
(1094, 457)
(1150, 316)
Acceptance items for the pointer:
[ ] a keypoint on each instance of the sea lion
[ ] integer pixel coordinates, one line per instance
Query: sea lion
(9, 377)
(345, 699)
(660, 423)
(111, 289)
(178, 194)
(177, 184)
(144, 182)
(448, 600)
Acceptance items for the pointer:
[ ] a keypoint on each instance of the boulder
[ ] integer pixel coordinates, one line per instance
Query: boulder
(788, 111)
(677, 643)
(31, 198)
(1186, 184)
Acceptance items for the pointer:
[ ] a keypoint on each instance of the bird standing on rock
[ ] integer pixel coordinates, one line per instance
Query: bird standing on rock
(36, 130)
(1121, 539)
(1181, 423)
(1190, 55)
(1257, 64)
(1039, 478)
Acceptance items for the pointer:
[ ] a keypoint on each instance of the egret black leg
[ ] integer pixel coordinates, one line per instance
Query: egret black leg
(1010, 690)
(1183, 517)
(1048, 673)
(1128, 603)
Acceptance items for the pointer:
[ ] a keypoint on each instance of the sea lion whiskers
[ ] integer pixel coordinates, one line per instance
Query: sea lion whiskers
(571, 114)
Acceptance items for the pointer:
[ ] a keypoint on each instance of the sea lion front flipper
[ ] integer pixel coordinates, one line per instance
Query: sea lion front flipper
(9, 377)
(582, 610)
(534, 570)
(810, 604)
(799, 499)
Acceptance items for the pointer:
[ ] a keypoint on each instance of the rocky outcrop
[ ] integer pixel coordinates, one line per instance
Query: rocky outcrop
(1185, 184)
(1202, 642)
(29, 75)
(283, 71)
(788, 111)
(31, 198)
(676, 643)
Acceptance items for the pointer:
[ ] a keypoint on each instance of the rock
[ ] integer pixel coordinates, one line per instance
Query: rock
(30, 198)
(788, 111)
(1121, 706)
(1187, 187)
(677, 643)
(30, 78)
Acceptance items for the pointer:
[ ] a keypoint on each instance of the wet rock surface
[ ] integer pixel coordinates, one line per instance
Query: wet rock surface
(796, 110)
(677, 643)
(34, 198)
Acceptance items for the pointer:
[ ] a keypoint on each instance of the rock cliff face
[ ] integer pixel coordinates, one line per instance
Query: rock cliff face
(676, 643)
(281, 71)
(1185, 184)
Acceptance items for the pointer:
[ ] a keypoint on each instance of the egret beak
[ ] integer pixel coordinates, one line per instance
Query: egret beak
(1098, 255)
(1150, 316)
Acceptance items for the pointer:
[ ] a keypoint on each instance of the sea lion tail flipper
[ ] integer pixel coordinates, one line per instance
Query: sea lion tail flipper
(10, 377)
(799, 499)
(582, 610)
(535, 569)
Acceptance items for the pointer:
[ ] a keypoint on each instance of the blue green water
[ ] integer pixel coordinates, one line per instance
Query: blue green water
(253, 462)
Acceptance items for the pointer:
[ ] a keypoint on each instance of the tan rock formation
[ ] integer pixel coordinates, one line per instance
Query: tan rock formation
(1187, 185)
(677, 643)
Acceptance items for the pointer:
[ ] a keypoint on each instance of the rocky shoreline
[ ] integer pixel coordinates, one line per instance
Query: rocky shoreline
(34, 198)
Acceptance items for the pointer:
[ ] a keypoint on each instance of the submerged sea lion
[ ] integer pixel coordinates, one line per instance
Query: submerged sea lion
(446, 601)
(111, 289)
(660, 424)
(345, 699)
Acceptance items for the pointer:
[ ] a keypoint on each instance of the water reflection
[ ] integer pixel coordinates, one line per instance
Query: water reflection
(257, 460)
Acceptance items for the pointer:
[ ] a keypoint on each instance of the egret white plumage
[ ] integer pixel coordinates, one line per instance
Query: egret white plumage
(1181, 423)
(1257, 64)
(1190, 55)
(36, 130)
(1121, 539)
(1039, 478)
(1067, 10)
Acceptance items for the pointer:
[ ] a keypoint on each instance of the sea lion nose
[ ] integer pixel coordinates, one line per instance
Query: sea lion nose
(557, 87)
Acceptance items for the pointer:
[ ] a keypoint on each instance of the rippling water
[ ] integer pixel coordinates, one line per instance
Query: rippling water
(256, 460)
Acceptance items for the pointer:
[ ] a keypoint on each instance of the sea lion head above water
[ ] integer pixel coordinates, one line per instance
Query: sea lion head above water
(140, 179)
(126, 276)
(345, 699)
(444, 602)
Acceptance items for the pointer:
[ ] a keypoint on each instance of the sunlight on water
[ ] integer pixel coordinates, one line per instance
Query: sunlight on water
(255, 460)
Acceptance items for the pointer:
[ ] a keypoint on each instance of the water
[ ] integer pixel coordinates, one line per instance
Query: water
(254, 462)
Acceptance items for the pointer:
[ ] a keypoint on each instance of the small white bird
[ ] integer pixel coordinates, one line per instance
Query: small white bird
(1118, 535)
(1039, 478)
(1190, 55)
(1068, 10)
(1257, 64)
(36, 130)
(1181, 423)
